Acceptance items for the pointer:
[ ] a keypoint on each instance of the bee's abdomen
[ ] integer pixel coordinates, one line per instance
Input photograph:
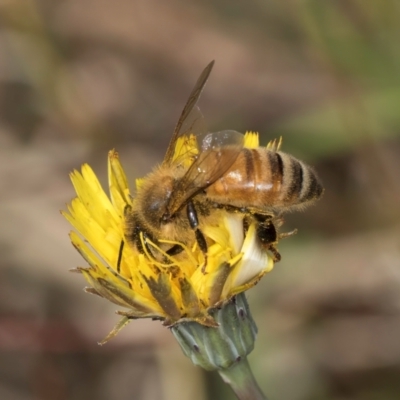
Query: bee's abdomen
(265, 179)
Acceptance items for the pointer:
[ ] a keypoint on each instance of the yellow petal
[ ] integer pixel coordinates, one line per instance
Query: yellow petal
(274, 144)
(254, 261)
(251, 140)
(92, 196)
(117, 328)
(118, 184)
(162, 291)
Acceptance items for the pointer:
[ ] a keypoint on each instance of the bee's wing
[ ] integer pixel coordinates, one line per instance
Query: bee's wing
(191, 119)
(219, 150)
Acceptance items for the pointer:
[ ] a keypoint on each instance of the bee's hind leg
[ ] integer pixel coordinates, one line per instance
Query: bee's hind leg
(267, 234)
(194, 224)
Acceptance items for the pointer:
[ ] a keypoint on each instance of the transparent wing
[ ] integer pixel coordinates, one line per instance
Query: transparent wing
(218, 152)
(186, 145)
(191, 120)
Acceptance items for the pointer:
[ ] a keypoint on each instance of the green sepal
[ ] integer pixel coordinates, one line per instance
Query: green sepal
(220, 347)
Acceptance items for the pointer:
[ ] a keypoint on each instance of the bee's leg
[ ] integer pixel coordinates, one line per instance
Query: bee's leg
(267, 234)
(141, 245)
(194, 224)
(272, 248)
(174, 250)
(121, 249)
(131, 221)
(127, 209)
(287, 234)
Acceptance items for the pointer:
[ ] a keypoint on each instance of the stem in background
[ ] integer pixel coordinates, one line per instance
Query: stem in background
(240, 378)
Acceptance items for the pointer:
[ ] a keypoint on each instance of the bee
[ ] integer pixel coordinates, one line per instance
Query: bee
(179, 197)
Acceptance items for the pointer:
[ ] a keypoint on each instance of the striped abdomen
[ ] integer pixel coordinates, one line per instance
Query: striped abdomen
(265, 180)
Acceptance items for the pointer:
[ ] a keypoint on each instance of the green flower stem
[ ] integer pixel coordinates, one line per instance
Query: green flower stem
(240, 378)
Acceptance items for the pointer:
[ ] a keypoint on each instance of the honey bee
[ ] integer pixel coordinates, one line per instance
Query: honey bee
(178, 198)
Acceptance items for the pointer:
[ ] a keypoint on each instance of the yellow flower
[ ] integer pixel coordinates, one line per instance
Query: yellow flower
(179, 289)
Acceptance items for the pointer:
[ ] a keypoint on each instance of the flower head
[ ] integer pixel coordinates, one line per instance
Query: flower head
(172, 288)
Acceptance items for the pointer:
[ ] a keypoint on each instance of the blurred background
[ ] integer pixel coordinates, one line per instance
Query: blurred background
(79, 77)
